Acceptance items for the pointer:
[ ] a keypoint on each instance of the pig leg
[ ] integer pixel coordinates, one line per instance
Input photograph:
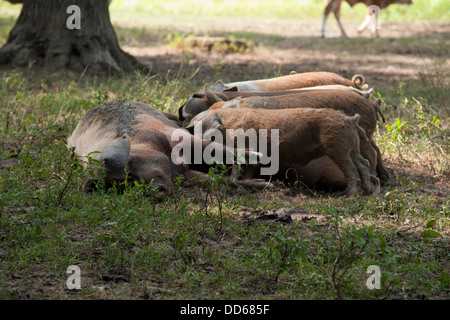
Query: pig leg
(345, 163)
(371, 152)
(259, 184)
(362, 165)
(381, 169)
(368, 152)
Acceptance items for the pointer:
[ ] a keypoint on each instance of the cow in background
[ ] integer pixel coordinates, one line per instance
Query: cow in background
(335, 7)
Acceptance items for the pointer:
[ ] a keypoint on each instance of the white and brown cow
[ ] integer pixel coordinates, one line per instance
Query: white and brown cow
(335, 7)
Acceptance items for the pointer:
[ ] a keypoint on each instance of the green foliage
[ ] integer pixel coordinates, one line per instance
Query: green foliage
(418, 126)
(428, 234)
(283, 252)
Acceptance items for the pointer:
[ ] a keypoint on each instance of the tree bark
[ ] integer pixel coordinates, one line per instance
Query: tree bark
(41, 36)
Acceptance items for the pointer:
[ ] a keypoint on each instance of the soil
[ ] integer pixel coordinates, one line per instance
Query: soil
(399, 54)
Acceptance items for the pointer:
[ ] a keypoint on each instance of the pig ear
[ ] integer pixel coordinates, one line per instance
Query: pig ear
(233, 104)
(211, 96)
(181, 114)
(198, 95)
(199, 117)
(234, 88)
(219, 86)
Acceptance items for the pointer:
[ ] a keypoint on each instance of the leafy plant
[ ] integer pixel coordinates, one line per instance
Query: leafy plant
(216, 186)
(429, 233)
(343, 247)
(283, 252)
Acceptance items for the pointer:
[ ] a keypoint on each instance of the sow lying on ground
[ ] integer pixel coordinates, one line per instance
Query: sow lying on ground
(135, 141)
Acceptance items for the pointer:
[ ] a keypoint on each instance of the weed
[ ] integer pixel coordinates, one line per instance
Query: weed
(283, 251)
(216, 186)
(343, 247)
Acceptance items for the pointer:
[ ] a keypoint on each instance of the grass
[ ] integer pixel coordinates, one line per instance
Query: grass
(269, 9)
(141, 13)
(209, 242)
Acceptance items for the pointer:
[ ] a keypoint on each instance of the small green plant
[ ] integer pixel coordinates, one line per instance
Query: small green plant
(95, 171)
(429, 233)
(428, 124)
(69, 170)
(100, 97)
(15, 80)
(216, 186)
(343, 247)
(395, 136)
(283, 252)
(180, 244)
(180, 41)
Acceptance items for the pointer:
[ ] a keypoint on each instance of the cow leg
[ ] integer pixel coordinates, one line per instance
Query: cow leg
(365, 23)
(324, 21)
(337, 14)
(331, 6)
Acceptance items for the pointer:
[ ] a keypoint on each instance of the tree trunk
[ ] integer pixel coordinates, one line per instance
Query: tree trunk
(41, 36)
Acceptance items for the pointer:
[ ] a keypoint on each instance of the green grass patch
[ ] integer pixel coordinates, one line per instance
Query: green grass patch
(421, 10)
